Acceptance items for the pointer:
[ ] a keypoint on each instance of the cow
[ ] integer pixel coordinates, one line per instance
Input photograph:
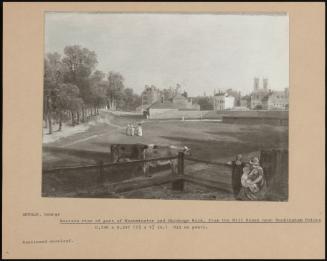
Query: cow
(127, 152)
(132, 152)
(163, 151)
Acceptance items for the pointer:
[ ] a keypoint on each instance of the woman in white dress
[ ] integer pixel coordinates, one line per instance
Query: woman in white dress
(139, 130)
(132, 130)
(128, 129)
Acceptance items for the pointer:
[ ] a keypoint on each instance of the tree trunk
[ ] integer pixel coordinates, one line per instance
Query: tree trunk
(78, 117)
(83, 114)
(50, 123)
(73, 120)
(49, 114)
(60, 121)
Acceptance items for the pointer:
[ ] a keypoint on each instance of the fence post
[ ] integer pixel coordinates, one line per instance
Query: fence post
(180, 163)
(275, 166)
(179, 184)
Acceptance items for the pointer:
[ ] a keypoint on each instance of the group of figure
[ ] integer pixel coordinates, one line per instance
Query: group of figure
(248, 179)
(134, 129)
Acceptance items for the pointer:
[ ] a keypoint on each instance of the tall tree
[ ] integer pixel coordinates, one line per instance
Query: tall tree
(68, 100)
(53, 76)
(79, 64)
(115, 89)
(130, 100)
(98, 88)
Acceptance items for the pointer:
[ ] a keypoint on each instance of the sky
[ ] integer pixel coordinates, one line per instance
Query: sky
(202, 52)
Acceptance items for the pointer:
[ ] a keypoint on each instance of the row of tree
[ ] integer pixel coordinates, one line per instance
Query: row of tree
(74, 90)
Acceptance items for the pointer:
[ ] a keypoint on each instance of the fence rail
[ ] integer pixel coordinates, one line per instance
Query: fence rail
(128, 163)
(208, 162)
(98, 175)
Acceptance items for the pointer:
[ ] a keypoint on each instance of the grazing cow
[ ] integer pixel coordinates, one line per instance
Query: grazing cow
(127, 152)
(132, 152)
(161, 151)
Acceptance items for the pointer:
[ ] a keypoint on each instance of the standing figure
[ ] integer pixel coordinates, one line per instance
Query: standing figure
(136, 132)
(139, 130)
(237, 172)
(132, 130)
(128, 129)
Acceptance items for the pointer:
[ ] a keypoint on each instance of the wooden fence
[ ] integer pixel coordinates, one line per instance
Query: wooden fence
(87, 178)
(101, 173)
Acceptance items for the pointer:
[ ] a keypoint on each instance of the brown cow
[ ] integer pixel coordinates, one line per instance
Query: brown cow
(163, 151)
(130, 152)
(127, 152)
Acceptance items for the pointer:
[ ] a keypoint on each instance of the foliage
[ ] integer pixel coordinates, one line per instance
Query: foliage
(73, 87)
(204, 102)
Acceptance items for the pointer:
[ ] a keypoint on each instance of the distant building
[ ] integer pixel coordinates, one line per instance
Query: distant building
(223, 101)
(258, 94)
(236, 95)
(266, 99)
(276, 100)
(178, 102)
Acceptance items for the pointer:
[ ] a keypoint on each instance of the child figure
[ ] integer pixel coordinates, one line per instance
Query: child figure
(253, 175)
(252, 172)
(246, 171)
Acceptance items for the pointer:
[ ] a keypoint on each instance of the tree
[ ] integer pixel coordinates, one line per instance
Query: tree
(98, 94)
(79, 62)
(53, 76)
(204, 102)
(97, 91)
(98, 76)
(170, 92)
(185, 94)
(73, 87)
(68, 100)
(130, 101)
(115, 89)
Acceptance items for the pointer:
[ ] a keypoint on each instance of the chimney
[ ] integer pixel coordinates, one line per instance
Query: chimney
(265, 84)
(256, 84)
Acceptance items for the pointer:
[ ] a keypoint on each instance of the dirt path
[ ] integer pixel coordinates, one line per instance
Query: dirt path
(69, 132)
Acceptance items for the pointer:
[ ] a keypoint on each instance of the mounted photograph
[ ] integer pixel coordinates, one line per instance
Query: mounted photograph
(171, 106)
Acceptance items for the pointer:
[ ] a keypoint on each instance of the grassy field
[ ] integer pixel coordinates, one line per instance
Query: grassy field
(214, 141)
(210, 141)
